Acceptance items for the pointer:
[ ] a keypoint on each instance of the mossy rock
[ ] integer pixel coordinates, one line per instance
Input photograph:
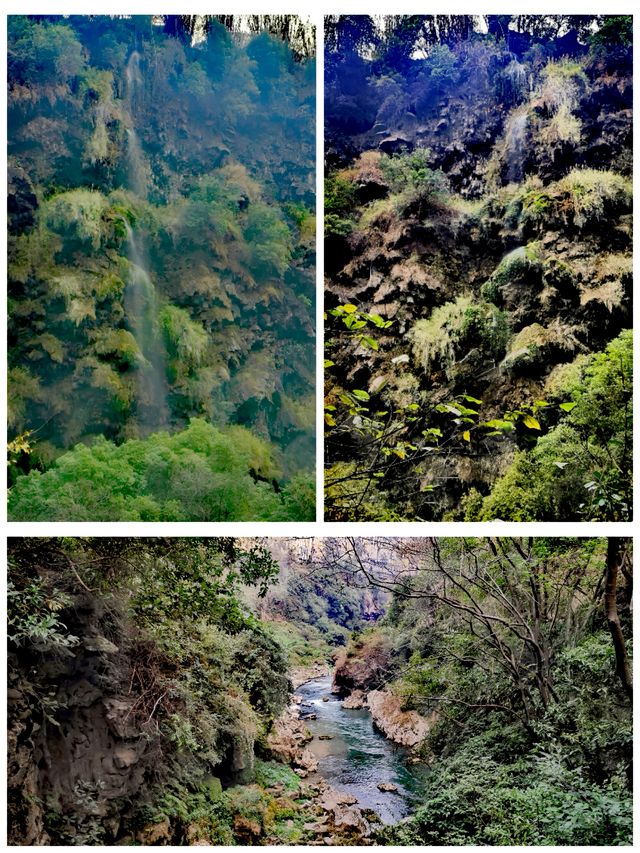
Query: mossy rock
(519, 266)
(536, 346)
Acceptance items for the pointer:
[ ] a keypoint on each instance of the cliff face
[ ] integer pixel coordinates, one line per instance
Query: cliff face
(89, 734)
(126, 712)
(485, 221)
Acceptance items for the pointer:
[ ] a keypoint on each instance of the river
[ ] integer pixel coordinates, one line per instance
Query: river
(358, 757)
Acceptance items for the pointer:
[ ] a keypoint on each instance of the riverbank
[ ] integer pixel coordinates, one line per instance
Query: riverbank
(359, 779)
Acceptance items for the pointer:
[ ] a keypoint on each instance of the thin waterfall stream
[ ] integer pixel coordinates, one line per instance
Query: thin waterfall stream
(516, 139)
(140, 300)
(141, 308)
(354, 757)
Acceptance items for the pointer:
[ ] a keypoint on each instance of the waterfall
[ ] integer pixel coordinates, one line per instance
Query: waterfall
(141, 308)
(515, 142)
(140, 298)
(137, 170)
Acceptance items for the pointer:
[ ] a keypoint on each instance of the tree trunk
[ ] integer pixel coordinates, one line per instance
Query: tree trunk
(615, 555)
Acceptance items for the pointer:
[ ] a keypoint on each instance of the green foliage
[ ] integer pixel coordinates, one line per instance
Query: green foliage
(113, 185)
(302, 643)
(339, 203)
(455, 328)
(595, 194)
(537, 801)
(186, 341)
(583, 198)
(581, 467)
(613, 31)
(441, 65)
(269, 239)
(411, 176)
(201, 473)
(269, 774)
(42, 51)
(299, 497)
(560, 774)
(77, 214)
(33, 617)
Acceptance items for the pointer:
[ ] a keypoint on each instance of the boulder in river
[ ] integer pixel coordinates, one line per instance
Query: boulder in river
(408, 728)
(388, 787)
(355, 700)
(287, 739)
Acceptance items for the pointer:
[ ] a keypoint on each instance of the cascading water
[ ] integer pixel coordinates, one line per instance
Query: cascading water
(137, 171)
(515, 139)
(140, 298)
(141, 308)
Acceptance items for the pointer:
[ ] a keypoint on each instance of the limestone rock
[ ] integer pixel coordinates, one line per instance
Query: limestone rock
(99, 644)
(355, 700)
(407, 728)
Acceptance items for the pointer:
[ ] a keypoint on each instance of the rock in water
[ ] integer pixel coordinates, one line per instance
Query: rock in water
(407, 728)
(355, 701)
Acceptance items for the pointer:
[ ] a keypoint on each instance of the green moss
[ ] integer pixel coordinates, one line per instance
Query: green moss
(592, 194)
(185, 337)
(77, 214)
(519, 265)
(271, 773)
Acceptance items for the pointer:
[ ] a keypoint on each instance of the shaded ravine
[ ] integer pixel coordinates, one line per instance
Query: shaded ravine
(357, 757)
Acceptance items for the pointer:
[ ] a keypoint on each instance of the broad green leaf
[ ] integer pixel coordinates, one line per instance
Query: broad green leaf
(370, 342)
(531, 422)
(360, 395)
(567, 407)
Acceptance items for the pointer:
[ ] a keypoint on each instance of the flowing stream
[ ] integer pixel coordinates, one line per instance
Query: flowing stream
(357, 757)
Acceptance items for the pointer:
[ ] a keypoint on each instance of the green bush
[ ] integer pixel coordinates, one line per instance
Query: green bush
(584, 198)
(454, 329)
(473, 800)
(186, 340)
(582, 467)
(410, 175)
(201, 473)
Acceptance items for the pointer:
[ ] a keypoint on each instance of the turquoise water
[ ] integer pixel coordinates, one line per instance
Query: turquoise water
(357, 757)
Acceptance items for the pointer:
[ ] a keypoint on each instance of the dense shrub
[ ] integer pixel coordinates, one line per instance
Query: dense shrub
(454, 329)
(201, 473)
(581, 467)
